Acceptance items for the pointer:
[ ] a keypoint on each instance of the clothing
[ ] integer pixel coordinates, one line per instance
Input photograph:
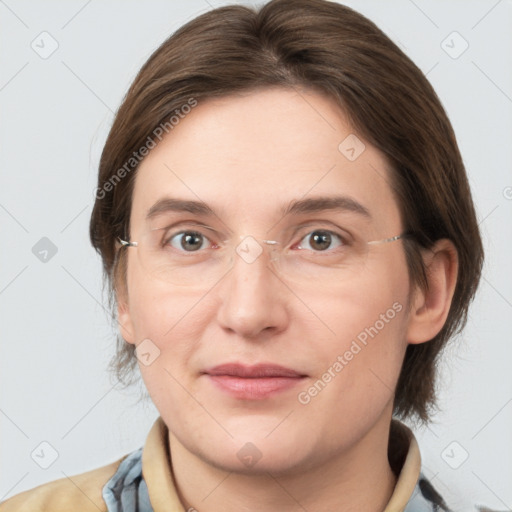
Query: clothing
(142, 481)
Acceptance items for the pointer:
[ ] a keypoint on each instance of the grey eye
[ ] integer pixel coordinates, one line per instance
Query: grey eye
(190, 241)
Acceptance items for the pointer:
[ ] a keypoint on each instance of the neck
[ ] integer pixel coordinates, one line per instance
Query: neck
(356, 479)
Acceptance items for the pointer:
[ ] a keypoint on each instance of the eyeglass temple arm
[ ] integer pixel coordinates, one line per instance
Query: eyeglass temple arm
(128, 244)
(386, 240)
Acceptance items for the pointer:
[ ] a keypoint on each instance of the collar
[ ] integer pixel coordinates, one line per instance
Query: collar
(404, 453)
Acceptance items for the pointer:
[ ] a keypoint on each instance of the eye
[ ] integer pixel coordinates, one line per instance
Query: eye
(320, 240)
(188, 241)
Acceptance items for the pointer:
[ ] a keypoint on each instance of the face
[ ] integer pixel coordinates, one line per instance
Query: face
(337, 329)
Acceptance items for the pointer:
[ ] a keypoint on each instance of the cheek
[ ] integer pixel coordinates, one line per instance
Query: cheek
(368, 332)
(154, 307)
(361, 361)
(172, 324)
(357, 371)
(170, 319)
(358, 304)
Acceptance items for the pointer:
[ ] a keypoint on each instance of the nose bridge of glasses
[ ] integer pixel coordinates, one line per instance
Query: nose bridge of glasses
(249, 249)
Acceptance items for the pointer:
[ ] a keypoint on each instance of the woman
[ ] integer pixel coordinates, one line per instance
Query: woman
(287, 229)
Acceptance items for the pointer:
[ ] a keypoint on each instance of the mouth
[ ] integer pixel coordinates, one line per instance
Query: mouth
(253, 382)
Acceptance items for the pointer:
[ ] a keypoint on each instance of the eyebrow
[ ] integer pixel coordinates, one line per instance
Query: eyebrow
(295, 207)
(324, 203)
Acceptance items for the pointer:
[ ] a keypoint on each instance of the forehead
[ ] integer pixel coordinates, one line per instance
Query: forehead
(248, 156)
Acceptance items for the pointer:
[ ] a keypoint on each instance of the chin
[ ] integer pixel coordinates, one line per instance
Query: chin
(277, 463)
(256, 452)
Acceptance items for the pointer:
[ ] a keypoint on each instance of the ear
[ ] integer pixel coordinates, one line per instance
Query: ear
(429, 308)
(124, 317)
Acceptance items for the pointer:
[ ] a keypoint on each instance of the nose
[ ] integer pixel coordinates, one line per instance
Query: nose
(252, 297)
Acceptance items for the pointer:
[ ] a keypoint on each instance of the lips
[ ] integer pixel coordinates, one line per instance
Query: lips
(253, 382)
(253, 372)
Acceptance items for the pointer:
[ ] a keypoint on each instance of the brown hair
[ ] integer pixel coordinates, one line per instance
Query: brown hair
(336, 51)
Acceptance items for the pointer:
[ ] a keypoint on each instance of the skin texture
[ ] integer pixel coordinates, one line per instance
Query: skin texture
(245, 156)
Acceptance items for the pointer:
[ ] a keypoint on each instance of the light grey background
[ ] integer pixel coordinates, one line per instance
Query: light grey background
(55, 334)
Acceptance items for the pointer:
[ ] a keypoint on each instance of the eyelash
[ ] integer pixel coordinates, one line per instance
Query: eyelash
(342, 239)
